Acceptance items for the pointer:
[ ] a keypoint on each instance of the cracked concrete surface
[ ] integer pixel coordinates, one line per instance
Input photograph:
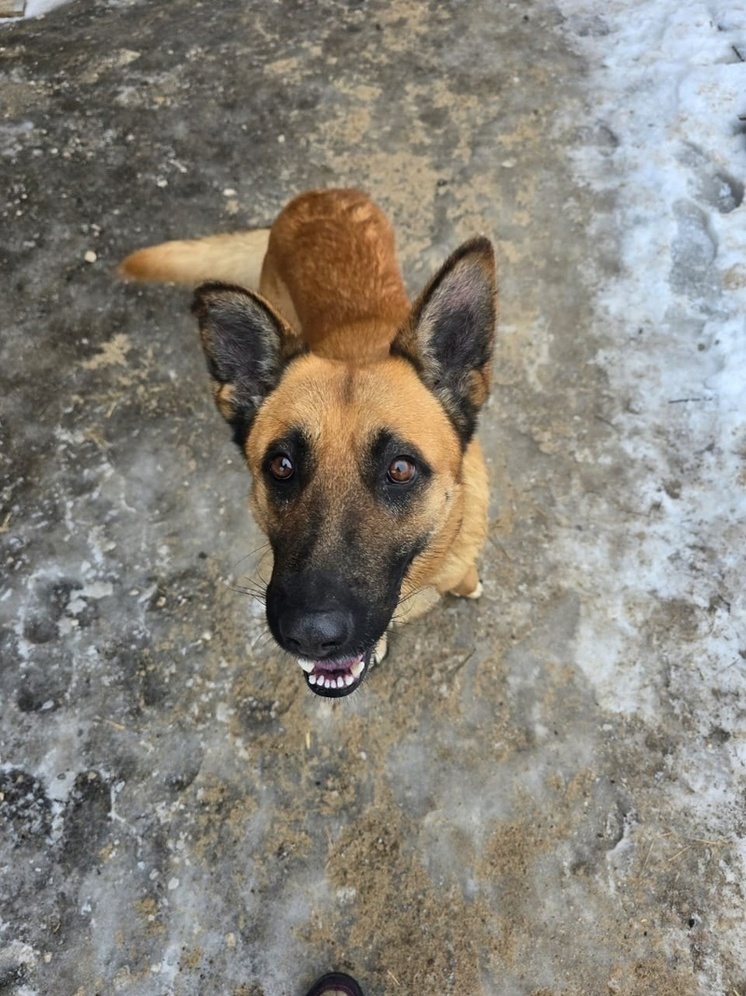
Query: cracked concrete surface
(541, 793)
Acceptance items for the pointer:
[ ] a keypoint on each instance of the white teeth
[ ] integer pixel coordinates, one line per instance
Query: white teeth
(339, 680)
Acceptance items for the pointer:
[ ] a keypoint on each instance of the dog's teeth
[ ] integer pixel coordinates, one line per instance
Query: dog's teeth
(312, 679)
(306, 665)
(357, 669)
(349, 678)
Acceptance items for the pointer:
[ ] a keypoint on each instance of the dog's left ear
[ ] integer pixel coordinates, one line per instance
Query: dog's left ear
(247, 345)
(450, 333)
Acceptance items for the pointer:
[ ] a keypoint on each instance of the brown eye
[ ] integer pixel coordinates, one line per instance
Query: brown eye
(281, 467)
(401, 471)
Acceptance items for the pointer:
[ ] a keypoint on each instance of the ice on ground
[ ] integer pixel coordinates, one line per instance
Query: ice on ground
(669, 85)
(545, 788)
(35, 8)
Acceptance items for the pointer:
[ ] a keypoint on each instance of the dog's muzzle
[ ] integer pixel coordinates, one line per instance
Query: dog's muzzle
(334, 679)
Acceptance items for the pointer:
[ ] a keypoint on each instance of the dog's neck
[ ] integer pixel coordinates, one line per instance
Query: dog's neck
(367, 340)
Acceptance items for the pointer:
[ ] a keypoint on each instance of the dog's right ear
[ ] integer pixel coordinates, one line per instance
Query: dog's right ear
(450, 333)
(247, 345)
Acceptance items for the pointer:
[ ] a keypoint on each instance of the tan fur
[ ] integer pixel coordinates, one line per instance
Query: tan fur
(343, 244)
(328, 267)
(382, 392)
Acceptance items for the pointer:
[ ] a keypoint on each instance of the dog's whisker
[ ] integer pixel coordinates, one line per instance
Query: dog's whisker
(256, 584)
(257, 598)
(260, 594)
(261, 641)
(253, 595)
(261, 550)
(411, 594)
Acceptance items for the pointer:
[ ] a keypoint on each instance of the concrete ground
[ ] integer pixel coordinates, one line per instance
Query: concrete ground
(540, 793)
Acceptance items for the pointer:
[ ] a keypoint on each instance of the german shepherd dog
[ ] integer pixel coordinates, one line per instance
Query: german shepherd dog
(355, 412)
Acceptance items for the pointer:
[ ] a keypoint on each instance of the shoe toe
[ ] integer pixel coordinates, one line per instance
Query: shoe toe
(335, 984)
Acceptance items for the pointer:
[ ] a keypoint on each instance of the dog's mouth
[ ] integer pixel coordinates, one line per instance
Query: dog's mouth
(333, 679)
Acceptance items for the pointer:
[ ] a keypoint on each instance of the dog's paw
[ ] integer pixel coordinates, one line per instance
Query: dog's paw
(381, 649)
(469, 586)
(477, 593)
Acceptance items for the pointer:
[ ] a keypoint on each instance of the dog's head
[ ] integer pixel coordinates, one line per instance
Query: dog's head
(356, 469)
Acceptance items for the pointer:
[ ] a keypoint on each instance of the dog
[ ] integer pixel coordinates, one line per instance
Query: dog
(356, 413)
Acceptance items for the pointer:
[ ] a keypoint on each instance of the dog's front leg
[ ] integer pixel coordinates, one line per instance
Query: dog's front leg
(469, 586)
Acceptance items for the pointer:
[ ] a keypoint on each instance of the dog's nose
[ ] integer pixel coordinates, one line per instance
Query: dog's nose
(315, 635)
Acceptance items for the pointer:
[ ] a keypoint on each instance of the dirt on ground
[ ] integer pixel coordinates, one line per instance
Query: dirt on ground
(180, 815)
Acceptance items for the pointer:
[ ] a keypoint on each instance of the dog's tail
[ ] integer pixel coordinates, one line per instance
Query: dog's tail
(233, 258)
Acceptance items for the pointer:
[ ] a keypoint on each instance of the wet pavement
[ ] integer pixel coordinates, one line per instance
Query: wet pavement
(539, 793)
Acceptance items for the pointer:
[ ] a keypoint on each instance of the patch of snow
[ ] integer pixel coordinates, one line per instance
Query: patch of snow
(670, 89)
(666, 631)
(35, 8)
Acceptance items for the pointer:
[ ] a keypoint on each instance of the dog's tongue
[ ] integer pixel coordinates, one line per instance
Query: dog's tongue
(345, 665)
(350, 667)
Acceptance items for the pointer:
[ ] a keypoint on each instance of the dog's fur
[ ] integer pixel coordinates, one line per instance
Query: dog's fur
(356, 415)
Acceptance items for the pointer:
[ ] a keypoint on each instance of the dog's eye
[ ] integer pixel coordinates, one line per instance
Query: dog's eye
(402, 470)
(281, 467)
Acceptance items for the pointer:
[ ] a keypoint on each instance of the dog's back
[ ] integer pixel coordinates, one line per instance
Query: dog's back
(332, 253)
(328, 264)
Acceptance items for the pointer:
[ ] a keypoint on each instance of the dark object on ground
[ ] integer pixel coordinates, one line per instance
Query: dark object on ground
(334, 983)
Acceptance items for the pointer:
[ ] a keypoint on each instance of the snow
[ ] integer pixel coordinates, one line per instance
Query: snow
(35, 8)
(669, 81)
(670, 85)
(657, 574)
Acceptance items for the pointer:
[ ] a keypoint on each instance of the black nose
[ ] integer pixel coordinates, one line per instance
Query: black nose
(315, 635)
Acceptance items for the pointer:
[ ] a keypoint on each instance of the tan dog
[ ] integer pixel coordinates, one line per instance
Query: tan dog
(355, 412)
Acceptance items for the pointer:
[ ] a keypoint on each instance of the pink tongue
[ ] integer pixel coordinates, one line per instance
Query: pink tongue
(336, 665)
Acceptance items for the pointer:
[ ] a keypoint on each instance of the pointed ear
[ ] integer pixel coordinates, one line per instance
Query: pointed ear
(247, 345)
(450, 333)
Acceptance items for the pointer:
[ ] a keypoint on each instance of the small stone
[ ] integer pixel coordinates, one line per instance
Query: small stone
(90, 256)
